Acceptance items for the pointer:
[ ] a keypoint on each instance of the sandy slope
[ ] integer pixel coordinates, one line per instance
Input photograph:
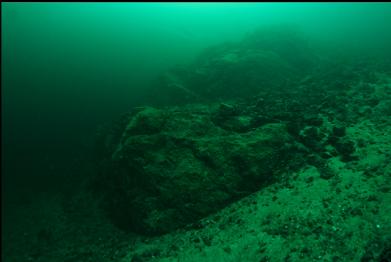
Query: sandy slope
(305, 218)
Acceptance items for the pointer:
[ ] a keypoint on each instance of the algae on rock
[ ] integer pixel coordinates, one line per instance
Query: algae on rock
(168, 172)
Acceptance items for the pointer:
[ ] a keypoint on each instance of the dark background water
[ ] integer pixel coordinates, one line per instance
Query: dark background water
(68, 67)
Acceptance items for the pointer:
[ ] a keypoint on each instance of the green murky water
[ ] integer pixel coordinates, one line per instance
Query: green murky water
(196, 131)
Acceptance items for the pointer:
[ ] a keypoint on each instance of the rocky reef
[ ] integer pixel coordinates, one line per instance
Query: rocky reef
(250, 114)
(266, 116)
(265, 149)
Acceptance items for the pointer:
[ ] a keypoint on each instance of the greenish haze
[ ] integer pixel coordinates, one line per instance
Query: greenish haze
(68, 66)
(230, 74)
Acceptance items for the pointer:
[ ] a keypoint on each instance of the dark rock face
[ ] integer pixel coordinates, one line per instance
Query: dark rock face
(174, 166)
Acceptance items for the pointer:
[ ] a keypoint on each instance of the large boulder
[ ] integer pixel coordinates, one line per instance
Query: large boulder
(171, 167)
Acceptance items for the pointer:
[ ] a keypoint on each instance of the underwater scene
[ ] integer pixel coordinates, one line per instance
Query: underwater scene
(186, 132)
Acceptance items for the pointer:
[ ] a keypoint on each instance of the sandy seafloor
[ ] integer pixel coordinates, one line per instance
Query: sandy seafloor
(307, 218)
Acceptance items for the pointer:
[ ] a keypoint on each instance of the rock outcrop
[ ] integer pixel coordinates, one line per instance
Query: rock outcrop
(176, 165)
(268, 59)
